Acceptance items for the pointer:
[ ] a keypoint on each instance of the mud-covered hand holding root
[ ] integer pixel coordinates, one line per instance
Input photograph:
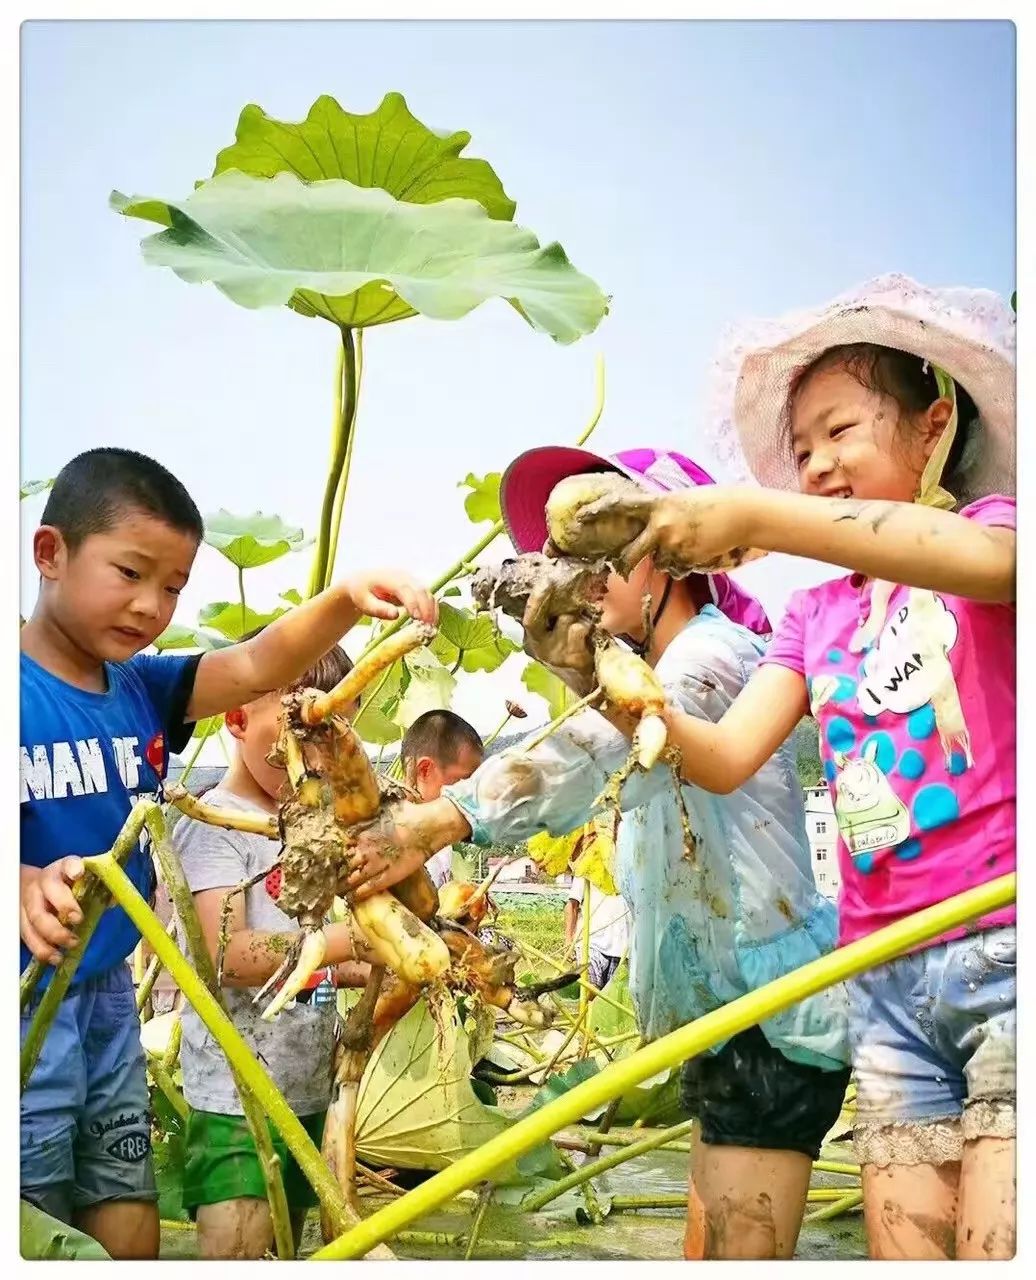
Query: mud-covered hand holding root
(396, 843)
(701, 530)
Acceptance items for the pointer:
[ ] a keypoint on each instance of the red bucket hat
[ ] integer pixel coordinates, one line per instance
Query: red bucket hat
(528, 481)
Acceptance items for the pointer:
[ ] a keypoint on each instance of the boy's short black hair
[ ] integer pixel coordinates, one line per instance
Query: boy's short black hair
(93, 490)
(324, 674)
(441, 735)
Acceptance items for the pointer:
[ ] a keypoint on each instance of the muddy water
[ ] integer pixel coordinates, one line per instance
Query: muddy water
(554, 1233)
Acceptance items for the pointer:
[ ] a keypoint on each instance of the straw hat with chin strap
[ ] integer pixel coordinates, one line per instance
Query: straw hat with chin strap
(967, 334)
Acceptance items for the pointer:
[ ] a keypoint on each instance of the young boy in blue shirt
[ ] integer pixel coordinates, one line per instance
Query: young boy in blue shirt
(99, 718)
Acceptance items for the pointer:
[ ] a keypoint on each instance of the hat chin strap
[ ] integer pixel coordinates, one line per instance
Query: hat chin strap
(930, 492)
(639, 647)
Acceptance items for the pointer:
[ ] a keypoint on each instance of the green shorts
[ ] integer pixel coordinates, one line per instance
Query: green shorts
(221, 1162)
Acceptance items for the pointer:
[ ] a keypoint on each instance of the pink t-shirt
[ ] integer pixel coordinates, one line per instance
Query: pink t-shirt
(914, 694)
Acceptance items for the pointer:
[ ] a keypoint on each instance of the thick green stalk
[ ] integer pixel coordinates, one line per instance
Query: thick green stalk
(225, 1033)
(678, 1200)
(835, 1210)
(664, 1054)
(467, 559)
(587, 1171)
(531, 743)
(580, 1140)
(836, 1166)
(241, 593)
(345, 411)
(93, 908)
(164, 1081)
(93, 900)
(476, 1222)
(343, 483)
(154, 968)
(172, 1050)
(191, 760)
(145, 1009)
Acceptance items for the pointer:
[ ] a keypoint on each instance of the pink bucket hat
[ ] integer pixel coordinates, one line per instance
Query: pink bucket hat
(528, 481)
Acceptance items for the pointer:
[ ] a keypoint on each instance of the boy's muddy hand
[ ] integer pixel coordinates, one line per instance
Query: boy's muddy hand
(380, 593)
(396, 843)
(703, 530)
(48, 905)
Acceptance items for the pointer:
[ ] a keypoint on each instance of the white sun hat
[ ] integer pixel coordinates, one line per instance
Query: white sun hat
(968, 333)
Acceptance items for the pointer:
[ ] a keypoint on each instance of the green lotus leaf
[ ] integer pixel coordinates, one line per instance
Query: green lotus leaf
(483, 502)
(44, 1237)
(178, 637)
(349, 253)
(291, 596)
(473, 641)
(416, 1108)
(375, 723)
(31, 487)
(389, 148)
(430, 689)
(537, 679)
(232, 621)
(207, 727)
(249, 541)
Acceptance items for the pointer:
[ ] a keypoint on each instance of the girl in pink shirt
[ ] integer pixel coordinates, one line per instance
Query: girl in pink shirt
(865, 410)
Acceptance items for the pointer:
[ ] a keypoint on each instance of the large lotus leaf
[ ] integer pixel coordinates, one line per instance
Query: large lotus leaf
(594, 856)
(483, 502)
(416, 1108)
(44, 1237)
(375, 722)
(232, 620)
(589, 851)
(552, 854)
(605, 1019)
(275, 241)
(430, 689)
(249, 541)
(472, 640)
(537, 679)
(389, 148)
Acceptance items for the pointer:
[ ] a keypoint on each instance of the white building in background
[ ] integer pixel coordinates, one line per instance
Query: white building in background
(822, 832)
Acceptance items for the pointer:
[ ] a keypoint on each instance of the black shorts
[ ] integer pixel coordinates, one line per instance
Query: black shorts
(750, 1095)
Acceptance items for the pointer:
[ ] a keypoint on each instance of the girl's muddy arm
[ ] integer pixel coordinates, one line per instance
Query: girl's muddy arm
(253, 955)
(721, 756)
(901, 542)
(292, 643)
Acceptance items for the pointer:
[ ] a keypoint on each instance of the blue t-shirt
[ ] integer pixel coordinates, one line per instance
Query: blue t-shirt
(85, 758)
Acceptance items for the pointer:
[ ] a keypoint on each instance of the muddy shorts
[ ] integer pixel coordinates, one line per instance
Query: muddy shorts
(750, 1095)
(933, 1041)
(85, 1114)
(221, 1162)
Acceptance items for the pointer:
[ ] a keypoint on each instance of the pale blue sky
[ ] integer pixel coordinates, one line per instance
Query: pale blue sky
(701, 172)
